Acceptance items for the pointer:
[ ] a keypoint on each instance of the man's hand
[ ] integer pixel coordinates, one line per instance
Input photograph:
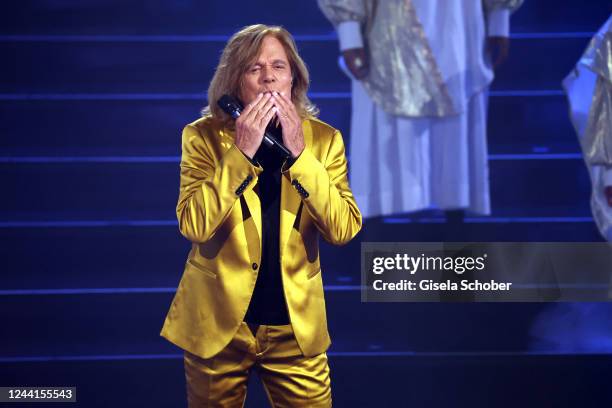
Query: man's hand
(251, 124)
(498, 49)
(357, 62)
(293, 137)
(608, 194)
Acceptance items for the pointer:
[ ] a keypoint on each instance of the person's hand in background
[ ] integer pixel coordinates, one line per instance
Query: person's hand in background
(498, 49)
(357, 62)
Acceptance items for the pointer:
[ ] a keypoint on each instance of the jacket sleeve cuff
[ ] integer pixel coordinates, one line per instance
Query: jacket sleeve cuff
(499, 23)
(349, 35)
(242, 170)
(252, 161)
(304, 172)
(289, 162)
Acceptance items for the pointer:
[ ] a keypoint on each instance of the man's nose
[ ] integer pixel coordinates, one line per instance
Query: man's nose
(268, 74)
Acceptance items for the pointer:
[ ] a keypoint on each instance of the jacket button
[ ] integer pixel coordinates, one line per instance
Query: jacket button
(254, 265)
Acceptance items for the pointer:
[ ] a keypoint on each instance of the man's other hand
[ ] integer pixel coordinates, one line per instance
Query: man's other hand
(498, 49)
(608, 194)
(357, 62)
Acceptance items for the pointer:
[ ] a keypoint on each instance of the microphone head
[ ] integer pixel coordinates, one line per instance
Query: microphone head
(230, 105)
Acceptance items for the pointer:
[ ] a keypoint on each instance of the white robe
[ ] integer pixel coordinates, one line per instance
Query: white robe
(401, 164)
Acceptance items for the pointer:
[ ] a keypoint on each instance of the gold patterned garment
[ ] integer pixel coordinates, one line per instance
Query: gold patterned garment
(597, 138)
(589, 92)
(404, 78)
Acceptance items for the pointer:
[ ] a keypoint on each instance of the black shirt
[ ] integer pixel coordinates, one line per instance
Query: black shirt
(268, 302)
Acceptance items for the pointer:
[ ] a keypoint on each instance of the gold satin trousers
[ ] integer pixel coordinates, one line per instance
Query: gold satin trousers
(289, 378)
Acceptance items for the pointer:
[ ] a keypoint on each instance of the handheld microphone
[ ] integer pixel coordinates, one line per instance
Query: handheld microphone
(233, 107)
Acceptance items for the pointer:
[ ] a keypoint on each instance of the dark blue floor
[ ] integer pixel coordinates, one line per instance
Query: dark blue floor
(93, 97)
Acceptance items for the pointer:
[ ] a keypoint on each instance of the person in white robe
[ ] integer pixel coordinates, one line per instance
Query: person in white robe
(420, 72)
(589, 91)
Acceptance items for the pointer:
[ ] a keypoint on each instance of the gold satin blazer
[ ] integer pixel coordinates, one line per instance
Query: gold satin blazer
(219, 212)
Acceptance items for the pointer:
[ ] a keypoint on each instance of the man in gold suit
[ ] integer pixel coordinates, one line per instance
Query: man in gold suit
(251, 295)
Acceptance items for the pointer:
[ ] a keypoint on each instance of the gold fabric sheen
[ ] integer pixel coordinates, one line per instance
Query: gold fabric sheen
(225, 230)
(289, 379)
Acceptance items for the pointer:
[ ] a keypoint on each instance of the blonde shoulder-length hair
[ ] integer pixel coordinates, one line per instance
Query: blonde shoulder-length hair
(239, 53)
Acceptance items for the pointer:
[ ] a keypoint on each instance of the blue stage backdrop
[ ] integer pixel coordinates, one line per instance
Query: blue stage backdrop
(93, 97)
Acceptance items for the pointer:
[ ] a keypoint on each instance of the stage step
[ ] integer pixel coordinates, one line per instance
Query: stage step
(128, 323)
(149, 191)
(528, 381)
(192, 17)
(187, 67)
(517, 125)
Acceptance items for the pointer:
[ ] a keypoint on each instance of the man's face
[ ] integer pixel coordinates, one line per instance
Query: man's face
(269, 72)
